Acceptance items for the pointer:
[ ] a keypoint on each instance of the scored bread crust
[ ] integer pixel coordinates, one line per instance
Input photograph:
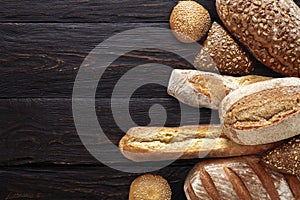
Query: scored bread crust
(162, 143)
(238, 178)
(284, 128)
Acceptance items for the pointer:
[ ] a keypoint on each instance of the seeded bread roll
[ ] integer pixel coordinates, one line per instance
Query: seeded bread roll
(262, 112)
(220, 53)
(285, 158)
(163, 143)
(189, 21)
(150, 187)
(270, 29)
(239, 178)
(205, 89)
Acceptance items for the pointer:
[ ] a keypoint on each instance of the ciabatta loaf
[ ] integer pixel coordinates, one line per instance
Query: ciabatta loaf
(239, 178)
(205, 89)
(262, 112)
(164, 143)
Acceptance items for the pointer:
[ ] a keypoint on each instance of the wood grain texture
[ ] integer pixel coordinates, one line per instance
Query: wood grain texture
(43, 130)
(92, 11)
(79, 182)
(42, 60)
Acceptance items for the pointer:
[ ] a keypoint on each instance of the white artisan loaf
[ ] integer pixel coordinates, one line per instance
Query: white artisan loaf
(262, 112)
(205, 89)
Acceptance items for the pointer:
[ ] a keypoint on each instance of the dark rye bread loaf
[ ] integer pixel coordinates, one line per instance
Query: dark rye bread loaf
(270, 29)
(262, 112)
(285, 158)
(239, 178)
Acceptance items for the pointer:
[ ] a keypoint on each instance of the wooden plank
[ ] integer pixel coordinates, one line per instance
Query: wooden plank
(92, 11)
(42, 60)
(43, 130)
(79, 182)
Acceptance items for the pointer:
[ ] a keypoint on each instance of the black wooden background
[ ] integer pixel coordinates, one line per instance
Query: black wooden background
(42, 45)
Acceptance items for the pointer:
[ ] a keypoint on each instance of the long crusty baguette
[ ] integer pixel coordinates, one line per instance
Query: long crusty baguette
(205, 89)
(270, 29)
(263, 112)
(239, 178)
(163, 143)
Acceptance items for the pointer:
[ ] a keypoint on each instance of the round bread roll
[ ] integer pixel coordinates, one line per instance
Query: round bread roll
(150, 187)
(189, 21)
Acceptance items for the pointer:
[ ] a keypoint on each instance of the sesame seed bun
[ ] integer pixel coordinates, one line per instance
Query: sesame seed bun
(148, 187)
(189, 21)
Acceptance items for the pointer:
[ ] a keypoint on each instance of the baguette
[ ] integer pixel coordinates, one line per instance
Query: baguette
(205, 89)
(239, 178)
(269, 29)
(262, 112)
(162, 143)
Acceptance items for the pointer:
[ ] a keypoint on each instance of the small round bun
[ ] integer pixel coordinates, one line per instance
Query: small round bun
(150, 187)
(189, 21)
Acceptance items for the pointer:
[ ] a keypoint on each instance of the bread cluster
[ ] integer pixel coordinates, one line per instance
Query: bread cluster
(255, 150)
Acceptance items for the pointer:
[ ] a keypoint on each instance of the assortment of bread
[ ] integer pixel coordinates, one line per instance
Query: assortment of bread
(255, 151)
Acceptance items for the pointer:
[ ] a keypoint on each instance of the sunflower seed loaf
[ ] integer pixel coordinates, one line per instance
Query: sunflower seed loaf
(270, 30)
(220, 53)
(205, 89)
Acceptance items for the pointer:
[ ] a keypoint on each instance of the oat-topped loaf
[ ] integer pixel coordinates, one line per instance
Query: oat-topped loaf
(270, 29)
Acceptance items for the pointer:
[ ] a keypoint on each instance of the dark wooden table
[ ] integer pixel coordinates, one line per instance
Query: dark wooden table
(42, 45)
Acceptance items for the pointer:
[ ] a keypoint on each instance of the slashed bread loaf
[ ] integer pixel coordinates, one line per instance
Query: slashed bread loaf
(239, 178)
(205, 89)
(270, 30)
(262, 112)
(168, 143)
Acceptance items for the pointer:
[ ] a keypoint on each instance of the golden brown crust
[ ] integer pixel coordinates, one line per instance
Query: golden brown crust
(269, 29)
(190, 21)
(238, 178)
(220, 53)
(264, 108)
(150, 187)
(161, 143)
(285, 158)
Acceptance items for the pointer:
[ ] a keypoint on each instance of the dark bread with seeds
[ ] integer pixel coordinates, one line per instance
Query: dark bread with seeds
(262, 112)
(239, 178)
(285, 158)
(270, 30)
(220, 53)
